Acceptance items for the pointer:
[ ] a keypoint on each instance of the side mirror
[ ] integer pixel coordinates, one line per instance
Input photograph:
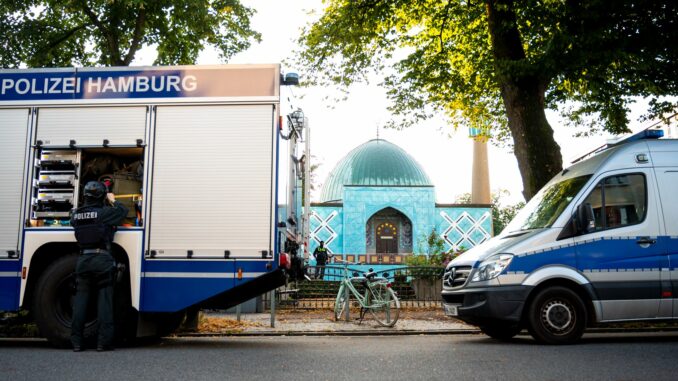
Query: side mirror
(586, 221)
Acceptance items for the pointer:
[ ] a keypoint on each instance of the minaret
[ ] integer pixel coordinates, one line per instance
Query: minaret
(480, 183)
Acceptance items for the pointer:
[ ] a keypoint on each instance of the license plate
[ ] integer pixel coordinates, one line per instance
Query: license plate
(451, 310)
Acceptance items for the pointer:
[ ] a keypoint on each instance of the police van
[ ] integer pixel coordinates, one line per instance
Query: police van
(598, 243)
(195, 153)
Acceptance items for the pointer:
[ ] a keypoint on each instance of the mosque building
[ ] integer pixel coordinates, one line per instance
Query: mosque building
(378, 206)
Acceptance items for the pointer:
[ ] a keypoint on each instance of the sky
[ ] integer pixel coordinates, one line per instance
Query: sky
(337, 128)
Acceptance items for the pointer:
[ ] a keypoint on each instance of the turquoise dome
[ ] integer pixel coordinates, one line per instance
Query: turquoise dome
(376, 163)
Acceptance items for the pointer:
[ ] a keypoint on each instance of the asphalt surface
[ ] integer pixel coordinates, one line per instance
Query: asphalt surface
(645, 356)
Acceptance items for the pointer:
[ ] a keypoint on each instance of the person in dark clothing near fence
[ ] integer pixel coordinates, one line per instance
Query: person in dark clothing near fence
(321, 257)
(94, 225)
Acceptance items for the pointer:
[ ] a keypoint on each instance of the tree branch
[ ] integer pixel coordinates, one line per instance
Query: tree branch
(114, 53)
(136, 39)
(68, 34)
(93, 17)
(442, 27)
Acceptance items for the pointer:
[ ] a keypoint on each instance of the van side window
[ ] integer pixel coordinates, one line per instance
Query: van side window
(618, 201)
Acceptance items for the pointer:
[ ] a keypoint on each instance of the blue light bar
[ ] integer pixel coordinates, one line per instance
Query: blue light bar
(654, 134)
(645, 134)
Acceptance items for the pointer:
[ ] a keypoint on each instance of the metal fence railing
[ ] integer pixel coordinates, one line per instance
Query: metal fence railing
(415, 286)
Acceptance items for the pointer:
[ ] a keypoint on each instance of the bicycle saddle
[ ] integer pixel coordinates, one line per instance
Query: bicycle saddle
(370, 274)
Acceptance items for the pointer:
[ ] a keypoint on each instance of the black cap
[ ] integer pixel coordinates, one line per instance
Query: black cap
(95, 190)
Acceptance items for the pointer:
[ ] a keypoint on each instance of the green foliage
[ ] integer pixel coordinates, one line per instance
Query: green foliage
(49, 33)
(431, 252)
(495, 65)
(502, 215)
(431, 244)
(447, 56)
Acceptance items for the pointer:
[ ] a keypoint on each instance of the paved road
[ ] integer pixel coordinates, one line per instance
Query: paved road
(450, 357)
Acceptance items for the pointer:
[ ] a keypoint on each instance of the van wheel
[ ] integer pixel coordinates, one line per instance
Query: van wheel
(500, 330)
(557, 315)
(53, 302)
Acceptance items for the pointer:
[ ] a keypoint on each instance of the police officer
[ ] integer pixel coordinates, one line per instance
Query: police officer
(94, 225)
(321, 257)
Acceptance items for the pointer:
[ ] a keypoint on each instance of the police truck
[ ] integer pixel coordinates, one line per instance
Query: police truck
(198, 155)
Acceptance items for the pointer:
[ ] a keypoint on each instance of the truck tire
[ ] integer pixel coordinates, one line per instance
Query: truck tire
(53, 302)
(557, 315)
(53, 306)
(501, 330)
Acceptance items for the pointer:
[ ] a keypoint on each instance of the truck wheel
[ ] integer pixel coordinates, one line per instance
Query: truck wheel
(557, 315)
(53, 302)
(501, 330)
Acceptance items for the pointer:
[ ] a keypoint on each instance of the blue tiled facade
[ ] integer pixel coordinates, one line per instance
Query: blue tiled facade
(327, 225)
(379, 185)
(343, 227)
(463, 227)
(360, 203)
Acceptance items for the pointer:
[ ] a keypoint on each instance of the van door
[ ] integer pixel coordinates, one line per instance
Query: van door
(621, 256)
(667, 180)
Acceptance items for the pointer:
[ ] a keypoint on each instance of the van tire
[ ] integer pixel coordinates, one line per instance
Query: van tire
(557, 315)
(52, 303)
(500, 330)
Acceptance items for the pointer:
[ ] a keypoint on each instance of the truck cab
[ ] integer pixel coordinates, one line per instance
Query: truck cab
(596, 244)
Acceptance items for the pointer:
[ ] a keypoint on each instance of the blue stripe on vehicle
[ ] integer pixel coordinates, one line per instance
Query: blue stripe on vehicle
(203, 265)
(172, 285)
(11, 265)
(566, 255)
(9, 293)
(168, 294)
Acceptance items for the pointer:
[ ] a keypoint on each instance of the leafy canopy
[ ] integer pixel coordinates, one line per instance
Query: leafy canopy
(52, 33)
(436, 56)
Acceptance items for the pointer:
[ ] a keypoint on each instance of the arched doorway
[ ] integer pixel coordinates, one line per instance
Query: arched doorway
(388, 232)
(387, 238)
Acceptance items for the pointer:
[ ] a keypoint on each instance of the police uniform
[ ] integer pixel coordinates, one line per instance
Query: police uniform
(94, 225)
(321, 257)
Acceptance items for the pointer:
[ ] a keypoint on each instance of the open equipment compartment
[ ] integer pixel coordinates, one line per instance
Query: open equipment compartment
(61, 175)
(122, 171)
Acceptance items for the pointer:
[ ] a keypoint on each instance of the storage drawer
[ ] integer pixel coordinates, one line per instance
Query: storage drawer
(52, 195)
(61, 156)
(46, 178)
(52, 214)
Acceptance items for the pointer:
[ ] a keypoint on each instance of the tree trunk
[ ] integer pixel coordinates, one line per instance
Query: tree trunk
(522, 89)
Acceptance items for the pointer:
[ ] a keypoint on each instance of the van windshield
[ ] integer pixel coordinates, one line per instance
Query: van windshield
(547, 205)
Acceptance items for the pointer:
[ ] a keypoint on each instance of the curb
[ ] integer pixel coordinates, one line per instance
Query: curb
(402, 332)
(333, 333)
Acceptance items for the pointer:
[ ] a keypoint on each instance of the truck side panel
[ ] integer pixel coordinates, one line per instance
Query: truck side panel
(211, 221)
(90, 126)
(13, 137)
(212, 182)
(173, 285)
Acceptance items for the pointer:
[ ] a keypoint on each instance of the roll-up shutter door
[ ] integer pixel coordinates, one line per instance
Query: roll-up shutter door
(89, 126)
(212, 181)
(13, 135)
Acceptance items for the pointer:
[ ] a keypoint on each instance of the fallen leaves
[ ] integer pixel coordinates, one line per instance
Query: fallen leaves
(219, 324)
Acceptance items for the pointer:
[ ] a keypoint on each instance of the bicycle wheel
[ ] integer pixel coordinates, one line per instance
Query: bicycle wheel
(340, 303)
(384, 305)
